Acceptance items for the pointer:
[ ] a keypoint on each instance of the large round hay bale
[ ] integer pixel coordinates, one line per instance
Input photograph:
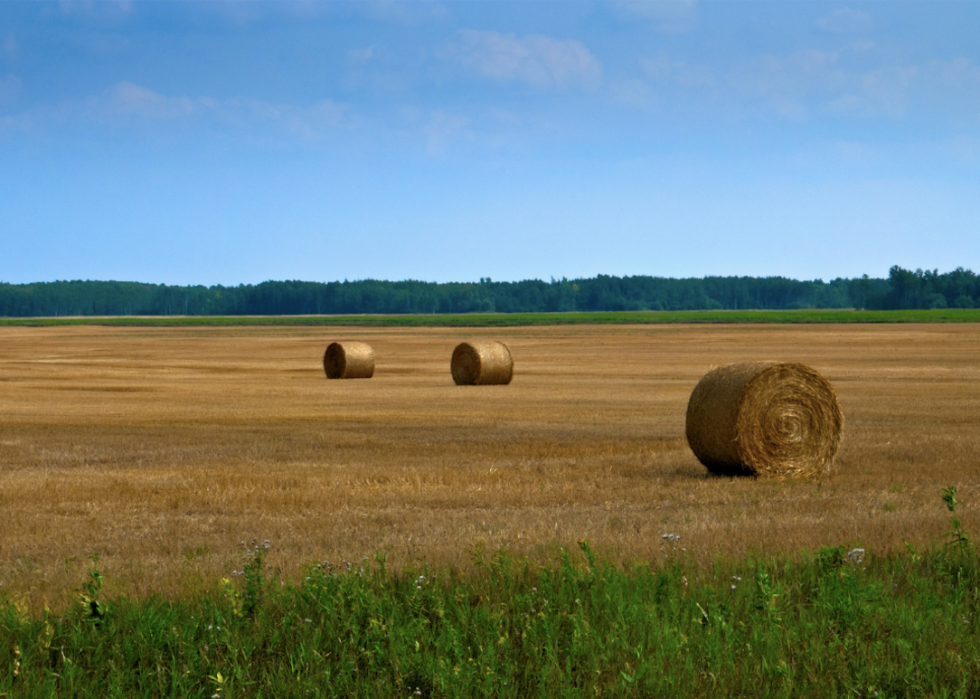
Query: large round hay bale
(765, 419)
(482, 362)
(350, 360)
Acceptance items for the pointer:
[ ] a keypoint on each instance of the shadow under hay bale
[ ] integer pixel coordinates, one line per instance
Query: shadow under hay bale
(765, 419)
(350, 360)
(481, 363)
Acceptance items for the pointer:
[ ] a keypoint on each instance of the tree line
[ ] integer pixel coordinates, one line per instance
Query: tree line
(903, 289)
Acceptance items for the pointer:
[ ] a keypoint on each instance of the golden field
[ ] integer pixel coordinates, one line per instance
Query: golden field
(164, 449)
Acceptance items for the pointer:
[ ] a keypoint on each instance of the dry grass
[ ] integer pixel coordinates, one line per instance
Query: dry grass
(163, 449)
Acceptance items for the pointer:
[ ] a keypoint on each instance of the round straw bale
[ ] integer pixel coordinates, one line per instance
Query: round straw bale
(482, 362)
(764, 419)
(350, 360)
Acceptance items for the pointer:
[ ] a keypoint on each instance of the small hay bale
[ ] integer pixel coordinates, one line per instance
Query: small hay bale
(350, 360)
(765, 419)
(482, 362)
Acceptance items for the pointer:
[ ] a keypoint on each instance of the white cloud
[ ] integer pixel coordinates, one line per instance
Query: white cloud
(137, 103)
(9, 47)
(958, 73)
(404, 13)
(9, 89)
(536, 60)
(634, 93)
(127, 98)
(308, 123)
(671, 16)
(663, 69)
(949, 88)
(875, 93)
(90, 7)
(360, 55)
(378, 68)
(790, 84)
(443, 129)
(804, 84)
(845, 21)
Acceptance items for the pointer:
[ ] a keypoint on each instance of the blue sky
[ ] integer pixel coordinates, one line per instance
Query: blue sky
(188, 142)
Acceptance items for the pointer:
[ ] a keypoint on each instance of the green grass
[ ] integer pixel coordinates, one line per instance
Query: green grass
(969, 315)
(836, 623)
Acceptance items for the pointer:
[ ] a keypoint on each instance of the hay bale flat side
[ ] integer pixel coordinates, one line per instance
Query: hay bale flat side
(348, 360)
(482, 363)
(765, 419)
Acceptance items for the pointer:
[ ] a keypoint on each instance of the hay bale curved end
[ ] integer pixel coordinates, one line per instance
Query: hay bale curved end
(767, 419)
(349, 360)
(482, 363)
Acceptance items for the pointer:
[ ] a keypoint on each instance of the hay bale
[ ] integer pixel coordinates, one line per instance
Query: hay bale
(765, 419)
(350, 360)
(482, 362)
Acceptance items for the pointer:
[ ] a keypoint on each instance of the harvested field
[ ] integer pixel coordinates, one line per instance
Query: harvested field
(164, 448)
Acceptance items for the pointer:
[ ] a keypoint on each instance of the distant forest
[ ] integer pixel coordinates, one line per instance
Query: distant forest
(903, 289)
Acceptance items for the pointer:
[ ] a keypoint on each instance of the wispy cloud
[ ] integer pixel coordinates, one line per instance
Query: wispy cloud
(809, 83)
(789, 84)
(538, 61)
(405, 13)
(663, 69)
(362, 55)
(136, 106)
(9, 89)
(306, 122)
(9, 47)
(129, 99)
(443, 130)
(73, 8)
(670, 16)
(845, 21)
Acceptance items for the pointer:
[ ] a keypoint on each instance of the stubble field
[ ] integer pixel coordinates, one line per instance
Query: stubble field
(163, 449)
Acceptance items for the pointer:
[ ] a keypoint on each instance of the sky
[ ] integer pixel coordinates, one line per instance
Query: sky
(234, 142)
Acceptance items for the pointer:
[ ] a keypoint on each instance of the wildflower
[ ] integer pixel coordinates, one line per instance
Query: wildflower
(671, 537)
(856, 556)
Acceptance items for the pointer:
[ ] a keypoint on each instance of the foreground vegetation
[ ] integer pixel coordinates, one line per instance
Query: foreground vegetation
(839, 622)
(499, 320)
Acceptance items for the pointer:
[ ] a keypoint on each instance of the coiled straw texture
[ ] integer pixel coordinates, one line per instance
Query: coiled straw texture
(765, 419)
(482, 362)
(350, 360)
